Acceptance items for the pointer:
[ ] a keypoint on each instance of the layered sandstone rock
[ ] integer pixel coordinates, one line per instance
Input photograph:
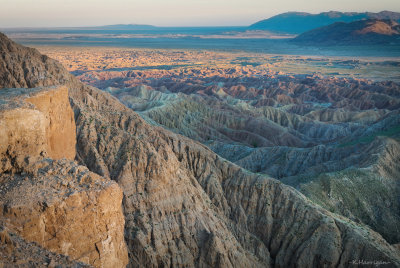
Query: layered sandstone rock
(60, 125)
(60, 205)
(17, 252)
(66, 209)
(35, 122)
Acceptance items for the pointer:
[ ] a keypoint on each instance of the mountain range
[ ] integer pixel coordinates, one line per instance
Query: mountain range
(300, 22)
(362, 32)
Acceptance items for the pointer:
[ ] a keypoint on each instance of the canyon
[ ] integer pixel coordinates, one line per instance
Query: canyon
(327, 136)
(187, 168)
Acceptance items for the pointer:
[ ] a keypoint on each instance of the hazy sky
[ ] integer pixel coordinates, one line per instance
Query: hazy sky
(20, 13)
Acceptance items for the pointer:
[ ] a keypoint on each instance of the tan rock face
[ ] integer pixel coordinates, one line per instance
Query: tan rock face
(17, 252)
(60, 123)
(22, 134)
(59, 205)
(35, 122)
(66, 209)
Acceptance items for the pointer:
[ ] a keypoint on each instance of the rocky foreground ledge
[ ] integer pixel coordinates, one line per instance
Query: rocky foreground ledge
(47, 198)
(35, 122)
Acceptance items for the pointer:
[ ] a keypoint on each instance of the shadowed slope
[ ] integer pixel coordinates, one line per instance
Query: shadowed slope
(363, 32)
(292, 128)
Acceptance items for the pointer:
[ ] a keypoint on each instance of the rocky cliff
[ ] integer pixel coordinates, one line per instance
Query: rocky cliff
(17, 252)
(57, 204)
(35, 122)
(66, 209)
(185, 206)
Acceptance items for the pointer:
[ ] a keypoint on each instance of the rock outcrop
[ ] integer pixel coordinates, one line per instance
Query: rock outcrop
(35, 122)
(66, 209)
(30, 74)
(185, 206)
(57, 204)
(17, 252)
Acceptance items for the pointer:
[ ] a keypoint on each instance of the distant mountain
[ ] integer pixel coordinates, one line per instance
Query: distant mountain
(372, 31)
(300, 22)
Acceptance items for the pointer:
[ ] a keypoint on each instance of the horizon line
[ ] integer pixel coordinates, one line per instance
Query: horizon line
(185, 26)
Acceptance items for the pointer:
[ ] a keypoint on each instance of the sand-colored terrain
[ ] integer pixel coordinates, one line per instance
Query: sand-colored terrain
(77, 59)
